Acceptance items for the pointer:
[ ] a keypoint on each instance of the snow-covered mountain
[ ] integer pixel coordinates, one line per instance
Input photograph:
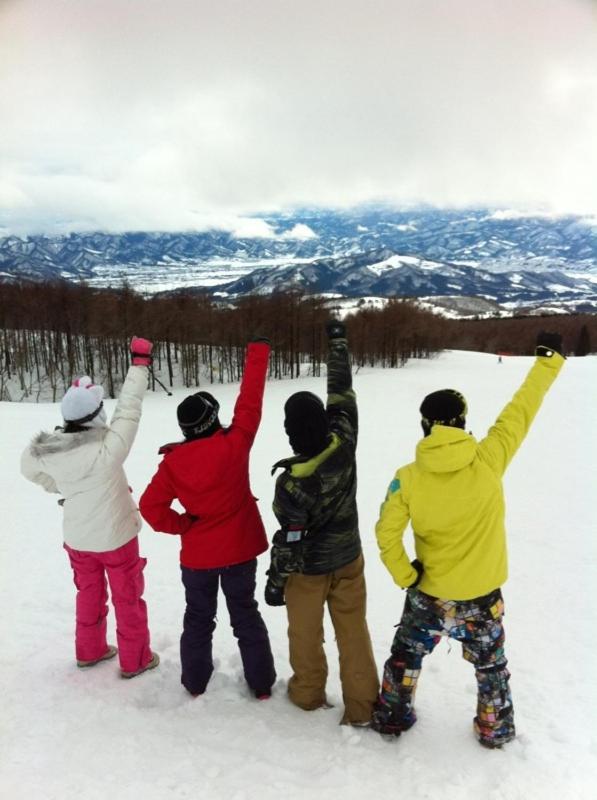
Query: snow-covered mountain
(385, 274)
(500, 255)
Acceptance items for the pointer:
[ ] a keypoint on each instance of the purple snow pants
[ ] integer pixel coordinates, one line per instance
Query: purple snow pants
(124, 570)
(201, 590)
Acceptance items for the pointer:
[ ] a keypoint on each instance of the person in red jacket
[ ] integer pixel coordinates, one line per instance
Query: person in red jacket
(221, 528)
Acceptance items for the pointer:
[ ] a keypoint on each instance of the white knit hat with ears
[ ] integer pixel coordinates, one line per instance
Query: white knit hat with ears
(82, 400)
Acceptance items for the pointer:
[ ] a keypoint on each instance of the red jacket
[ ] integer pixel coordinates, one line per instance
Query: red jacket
(210, 478)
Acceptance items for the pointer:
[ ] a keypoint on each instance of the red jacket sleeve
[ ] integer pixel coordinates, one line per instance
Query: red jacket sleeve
(155, 503)
(247, 410)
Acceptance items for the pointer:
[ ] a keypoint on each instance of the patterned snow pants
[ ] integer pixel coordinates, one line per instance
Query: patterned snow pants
(477, 624)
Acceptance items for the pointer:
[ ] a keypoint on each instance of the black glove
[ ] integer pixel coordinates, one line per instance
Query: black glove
(416, 564)
(547, 342)
(274, 595)
(335, 329)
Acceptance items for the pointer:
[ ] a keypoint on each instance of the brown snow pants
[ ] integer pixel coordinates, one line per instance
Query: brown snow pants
(345, 593)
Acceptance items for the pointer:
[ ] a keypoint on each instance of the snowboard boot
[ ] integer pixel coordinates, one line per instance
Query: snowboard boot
(155, 660)
(110, 653)
(385, 722)
(493, 738)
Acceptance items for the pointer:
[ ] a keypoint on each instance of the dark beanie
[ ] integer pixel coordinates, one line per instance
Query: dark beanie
(198, 415)
(306, 423)
(444, 407)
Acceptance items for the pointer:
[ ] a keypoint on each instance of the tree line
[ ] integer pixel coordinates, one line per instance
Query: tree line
(51, 332)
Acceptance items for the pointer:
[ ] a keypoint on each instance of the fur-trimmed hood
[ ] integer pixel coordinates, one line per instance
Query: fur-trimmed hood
(48, 444)
(86, 468)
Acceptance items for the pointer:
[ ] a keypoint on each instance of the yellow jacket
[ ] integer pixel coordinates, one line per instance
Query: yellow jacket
(452, 494)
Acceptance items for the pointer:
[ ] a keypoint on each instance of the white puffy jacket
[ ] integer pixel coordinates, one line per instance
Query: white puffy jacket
(86, 469)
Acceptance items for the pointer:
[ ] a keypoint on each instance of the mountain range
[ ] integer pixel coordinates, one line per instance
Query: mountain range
(504, 257)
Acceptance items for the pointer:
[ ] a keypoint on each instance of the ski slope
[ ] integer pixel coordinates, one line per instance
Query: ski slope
(88, 735)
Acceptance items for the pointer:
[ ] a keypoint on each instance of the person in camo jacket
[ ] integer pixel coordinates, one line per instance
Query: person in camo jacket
(453, 496)
(316, 557)
(83, 461)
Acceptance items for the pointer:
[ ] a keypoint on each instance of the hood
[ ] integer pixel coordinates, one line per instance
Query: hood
(445, 450)
(47, 444)
(303, 466)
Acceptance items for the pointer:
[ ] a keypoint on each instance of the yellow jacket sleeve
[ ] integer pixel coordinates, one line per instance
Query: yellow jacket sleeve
(393, 519)
(507, 434)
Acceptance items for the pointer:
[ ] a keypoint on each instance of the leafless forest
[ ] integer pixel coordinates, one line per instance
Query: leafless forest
(50, 332)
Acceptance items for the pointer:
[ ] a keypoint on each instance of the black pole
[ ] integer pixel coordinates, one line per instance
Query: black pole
(157, 380)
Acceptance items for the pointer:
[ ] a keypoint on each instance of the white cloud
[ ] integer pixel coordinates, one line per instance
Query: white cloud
(12, 196)
(152, 115)
(252, 229)
(299, 231)
(515, 213)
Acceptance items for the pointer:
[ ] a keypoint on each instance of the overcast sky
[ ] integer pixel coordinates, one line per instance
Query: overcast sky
(147, 114)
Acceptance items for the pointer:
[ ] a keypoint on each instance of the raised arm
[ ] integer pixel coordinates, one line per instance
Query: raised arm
(507, 434)
(342, 400)
(247, 410)
(127, 414)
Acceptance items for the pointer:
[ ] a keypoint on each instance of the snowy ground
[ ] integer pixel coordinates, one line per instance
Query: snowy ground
(66, 733)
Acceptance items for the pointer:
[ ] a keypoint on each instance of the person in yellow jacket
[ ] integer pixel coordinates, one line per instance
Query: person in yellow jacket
(452, 495)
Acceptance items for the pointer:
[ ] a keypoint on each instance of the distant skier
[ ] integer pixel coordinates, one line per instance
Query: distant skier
(82, 461)
(452, 495)
(317, 556)
(220, 529)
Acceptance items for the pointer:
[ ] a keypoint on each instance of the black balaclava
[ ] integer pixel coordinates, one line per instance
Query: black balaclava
(198, 415)
(444, 407)
(306, 423)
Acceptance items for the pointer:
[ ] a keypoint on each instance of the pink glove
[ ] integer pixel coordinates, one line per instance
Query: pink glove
(141, 352)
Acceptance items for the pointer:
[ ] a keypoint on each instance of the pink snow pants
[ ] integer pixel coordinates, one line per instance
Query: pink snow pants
(124, 570)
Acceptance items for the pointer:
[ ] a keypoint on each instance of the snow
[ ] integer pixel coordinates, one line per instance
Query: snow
(394, 262)
(398, 261)
(68, 733)
(348, 305)
(557, 288)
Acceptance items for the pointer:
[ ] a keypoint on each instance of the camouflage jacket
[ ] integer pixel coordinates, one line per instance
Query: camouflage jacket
(315, 498)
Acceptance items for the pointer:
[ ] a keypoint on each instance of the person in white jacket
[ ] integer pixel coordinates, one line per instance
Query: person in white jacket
(83, 461)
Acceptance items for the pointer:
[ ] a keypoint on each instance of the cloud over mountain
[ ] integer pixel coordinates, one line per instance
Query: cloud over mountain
(183, 116)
